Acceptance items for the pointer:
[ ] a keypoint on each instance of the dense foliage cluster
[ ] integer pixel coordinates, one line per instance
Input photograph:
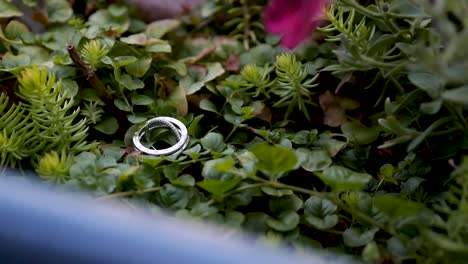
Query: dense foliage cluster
(355, 142)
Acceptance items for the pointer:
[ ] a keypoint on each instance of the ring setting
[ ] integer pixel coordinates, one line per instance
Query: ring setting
(177, 127)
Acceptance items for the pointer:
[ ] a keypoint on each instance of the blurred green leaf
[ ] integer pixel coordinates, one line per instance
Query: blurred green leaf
(285, 221)
(340, 178)
(274, 160)
(358, 237)
(320, 213)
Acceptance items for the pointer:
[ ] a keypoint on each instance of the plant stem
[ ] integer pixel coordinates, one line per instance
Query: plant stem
(128, 193)
(89, 72)
(246, 14)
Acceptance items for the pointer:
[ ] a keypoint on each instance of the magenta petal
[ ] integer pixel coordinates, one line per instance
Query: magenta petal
(295, 20)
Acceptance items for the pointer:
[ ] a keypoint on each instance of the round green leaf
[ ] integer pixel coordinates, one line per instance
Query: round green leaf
(139, 67)
(286, 221)
(234, 218)
(158, 28)
(359, 133)
(108, 126)
(8, 9)
(355, 237)
(320, 213)
(457, 95)
(117, 10)
(58, 10)
(341, 178)
(217, 187)
(427, 82)
(141, 99)
(131, 83)
(185, 180)
(135, 39)
(313, 160)
(213, 142)
(158, 45)
(120, 104)
(274, 160)
(207, 105)
(123, 61)
(69, 88)
(371, 253)
(173, 197)
(16, 30)
(285, 203)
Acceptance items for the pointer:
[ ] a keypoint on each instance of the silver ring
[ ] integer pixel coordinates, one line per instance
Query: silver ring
(173, 124)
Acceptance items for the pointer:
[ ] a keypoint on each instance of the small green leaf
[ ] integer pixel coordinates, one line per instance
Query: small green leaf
(104, 18)
(108, 126)
(212, 169)
(371, 253)
(274, 160)
(285, 203)
(178, 98)
(105, 162)
(396, 247)
(427, 82)
(117, 10)
(207, 105)
(457, 95)
(58, 10)
(135, 39)
(120, 104)
(387, 170)
(159, 28)
(213, 142)
(136, 119)
(158, 45)
(217, 187)
(258, 55)
(396, 207)
(131, 83)
(8, 9)
(173, 197)
(146, 177)
(431, 107)
(16, 30)
(185, 180)
(355, 237)
(276, 192)
(341, 178)
(359, 133)
(313, 160)
(69, 88)
(234, 219)
(14, 63)
(140, 67)
(141, 99)
(333, 146)
(286, 221)
(301, 138)
(320, 213)
(192, 84)
(123, 61)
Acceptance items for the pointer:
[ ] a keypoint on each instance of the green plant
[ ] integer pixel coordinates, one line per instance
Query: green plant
(376, 169)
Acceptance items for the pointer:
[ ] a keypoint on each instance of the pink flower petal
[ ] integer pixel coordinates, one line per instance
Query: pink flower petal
(295, 20)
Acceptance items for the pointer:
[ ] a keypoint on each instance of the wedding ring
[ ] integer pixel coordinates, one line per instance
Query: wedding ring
(177, 127)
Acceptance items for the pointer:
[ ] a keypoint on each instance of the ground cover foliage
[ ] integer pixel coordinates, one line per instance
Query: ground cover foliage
(355, 142)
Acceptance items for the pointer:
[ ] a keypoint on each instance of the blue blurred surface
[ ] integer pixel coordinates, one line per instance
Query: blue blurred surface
(41, 225)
